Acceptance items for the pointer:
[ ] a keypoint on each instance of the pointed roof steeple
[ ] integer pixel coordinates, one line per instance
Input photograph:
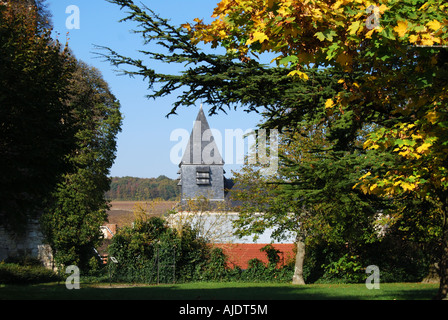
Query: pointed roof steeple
(201, 147)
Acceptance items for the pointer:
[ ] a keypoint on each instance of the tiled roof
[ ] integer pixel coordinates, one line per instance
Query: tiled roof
(239, 254)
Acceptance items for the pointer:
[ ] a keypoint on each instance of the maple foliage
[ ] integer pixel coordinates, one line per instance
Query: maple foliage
(323, 31)
(398, 46)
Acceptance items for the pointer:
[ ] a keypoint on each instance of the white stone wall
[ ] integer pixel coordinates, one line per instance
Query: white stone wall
(29, 244)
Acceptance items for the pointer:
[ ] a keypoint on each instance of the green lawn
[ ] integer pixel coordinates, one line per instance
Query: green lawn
(223, 291)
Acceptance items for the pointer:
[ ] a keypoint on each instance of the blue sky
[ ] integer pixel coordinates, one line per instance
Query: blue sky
(144, 144)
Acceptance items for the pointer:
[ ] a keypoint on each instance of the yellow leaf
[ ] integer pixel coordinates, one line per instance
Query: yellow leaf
(401, 28)
(257, 36)
(432, 117)
(301, 74)
(434, 25)
(369, 34)
(413, 38)
(354, 27)
(423, 147)
(276, 58)
(284, 11)
(423, 6)
(366, 175)
(382, 8)
(372, 187)
(338, 4)
(329, 104)
(222, 34)
(186, 26)
(364, 189)
(408, 186)
(427, 41)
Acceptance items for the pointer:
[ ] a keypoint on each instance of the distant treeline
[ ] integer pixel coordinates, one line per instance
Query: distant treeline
(140, 189)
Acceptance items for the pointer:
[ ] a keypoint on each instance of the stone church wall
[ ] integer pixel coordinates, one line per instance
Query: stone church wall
(213, 191)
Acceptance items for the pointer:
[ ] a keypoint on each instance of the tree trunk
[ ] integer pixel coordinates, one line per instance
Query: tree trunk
(300, 257)
(443, 264)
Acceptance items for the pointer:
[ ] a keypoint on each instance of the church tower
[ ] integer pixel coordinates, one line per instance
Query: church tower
(202, 167)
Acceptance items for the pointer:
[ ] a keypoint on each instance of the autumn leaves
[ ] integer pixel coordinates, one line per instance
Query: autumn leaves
(392, 46)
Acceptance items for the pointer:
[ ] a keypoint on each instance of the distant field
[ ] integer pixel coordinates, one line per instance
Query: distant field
(122, 212)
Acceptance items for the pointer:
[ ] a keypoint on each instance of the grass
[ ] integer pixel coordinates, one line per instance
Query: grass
(221, 291)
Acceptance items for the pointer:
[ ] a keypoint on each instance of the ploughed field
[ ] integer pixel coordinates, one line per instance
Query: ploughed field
(122, 213)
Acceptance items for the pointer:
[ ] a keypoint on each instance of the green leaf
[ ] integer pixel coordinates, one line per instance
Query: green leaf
(354, 27)
(289, 59)
(320, 36)
(326, 35)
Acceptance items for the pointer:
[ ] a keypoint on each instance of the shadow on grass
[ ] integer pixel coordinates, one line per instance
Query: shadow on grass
(222, 291)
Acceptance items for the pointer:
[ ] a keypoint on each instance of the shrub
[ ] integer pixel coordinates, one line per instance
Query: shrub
(11, 273)
(398, 261)
(152, 252)
(216, 268)
(347, 268)
(272, 254)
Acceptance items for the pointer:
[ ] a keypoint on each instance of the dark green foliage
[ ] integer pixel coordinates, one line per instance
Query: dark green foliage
(78, 207)
(152, 252)
(398, 261)
(138, 189)
(36, 129)
(58, 124)
(216, 268)
(272, 254)
(259, 272)
(11, 273)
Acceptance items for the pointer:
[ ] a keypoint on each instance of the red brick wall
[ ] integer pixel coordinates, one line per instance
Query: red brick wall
(239, 254)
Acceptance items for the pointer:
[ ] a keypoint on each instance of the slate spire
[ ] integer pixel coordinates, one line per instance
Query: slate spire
(201, 168)
(201, 147)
